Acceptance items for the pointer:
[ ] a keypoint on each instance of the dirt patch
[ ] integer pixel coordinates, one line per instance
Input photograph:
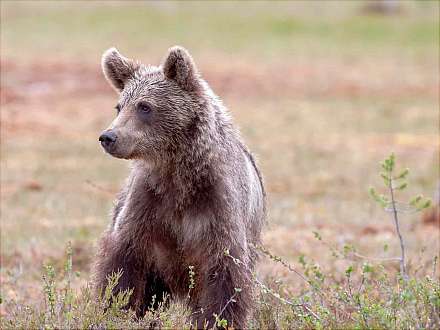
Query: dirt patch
(24, 82)
(432, 217)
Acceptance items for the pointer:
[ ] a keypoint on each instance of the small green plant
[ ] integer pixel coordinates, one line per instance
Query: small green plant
(49, 292)
(63, 308)
(220, 322)
(368, 295)
(395, 182)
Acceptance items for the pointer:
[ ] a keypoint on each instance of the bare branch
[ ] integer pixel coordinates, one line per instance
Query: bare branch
(373, 258)
(396, 223)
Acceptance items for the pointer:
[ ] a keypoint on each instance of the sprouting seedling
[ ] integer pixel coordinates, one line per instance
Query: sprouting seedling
(397, 182)
(68, 293)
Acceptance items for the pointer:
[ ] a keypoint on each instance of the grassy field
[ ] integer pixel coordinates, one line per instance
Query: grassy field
(322, 92)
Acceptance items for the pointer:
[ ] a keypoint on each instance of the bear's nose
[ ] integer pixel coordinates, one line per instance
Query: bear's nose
(107, 139)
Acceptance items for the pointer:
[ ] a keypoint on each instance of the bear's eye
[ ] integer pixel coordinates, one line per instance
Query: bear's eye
(118, 109)
(144, 107)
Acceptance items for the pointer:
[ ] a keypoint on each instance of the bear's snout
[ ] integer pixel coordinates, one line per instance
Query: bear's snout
(108, 139)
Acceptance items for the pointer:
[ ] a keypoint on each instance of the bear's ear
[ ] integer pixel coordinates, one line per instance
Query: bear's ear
(117, 69)
(179, 66)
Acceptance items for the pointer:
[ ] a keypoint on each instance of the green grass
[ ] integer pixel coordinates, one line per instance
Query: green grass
(260, 29)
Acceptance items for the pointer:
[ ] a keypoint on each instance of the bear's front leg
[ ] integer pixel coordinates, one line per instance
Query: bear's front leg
(114, 256)
(226, 293)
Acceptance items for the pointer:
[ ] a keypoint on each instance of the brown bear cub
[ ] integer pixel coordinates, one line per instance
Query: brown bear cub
(194, 191)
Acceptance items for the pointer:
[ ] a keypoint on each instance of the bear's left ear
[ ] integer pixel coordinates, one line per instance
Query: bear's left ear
(117, 69)
(179, 66)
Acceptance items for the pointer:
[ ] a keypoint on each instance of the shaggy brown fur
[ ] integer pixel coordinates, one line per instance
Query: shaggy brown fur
(194, 191)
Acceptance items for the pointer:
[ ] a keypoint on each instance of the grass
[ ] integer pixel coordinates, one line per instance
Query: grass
(364, 296)
(281, 27)
(321, 93)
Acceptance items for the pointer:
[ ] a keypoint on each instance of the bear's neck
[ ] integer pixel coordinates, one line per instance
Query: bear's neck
(199, 162)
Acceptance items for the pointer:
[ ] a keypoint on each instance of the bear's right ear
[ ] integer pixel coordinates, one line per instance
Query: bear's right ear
(179, 66)
(117, 69)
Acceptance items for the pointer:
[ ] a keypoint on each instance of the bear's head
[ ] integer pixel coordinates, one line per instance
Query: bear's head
(157, 106)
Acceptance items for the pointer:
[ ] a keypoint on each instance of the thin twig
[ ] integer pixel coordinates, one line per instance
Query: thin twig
(290, 268)
(281, 261)
(227, 303)
(357, 302)
(100, 188)
(287, 302)
(396, 223)
(361, 284)
(266, 288)
(400, 207)
(374, 258)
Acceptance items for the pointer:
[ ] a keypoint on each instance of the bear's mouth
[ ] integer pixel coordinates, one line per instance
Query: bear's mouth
(108, 148)
(111, 150)
(115, 152)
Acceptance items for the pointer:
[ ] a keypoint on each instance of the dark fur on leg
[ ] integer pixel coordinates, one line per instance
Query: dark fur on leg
(113, 258)
(228, 291)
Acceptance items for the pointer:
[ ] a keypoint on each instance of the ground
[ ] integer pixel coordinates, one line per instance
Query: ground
(321, 92)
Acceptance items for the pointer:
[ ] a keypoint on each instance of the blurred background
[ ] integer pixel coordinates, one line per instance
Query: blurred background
(322, 91)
